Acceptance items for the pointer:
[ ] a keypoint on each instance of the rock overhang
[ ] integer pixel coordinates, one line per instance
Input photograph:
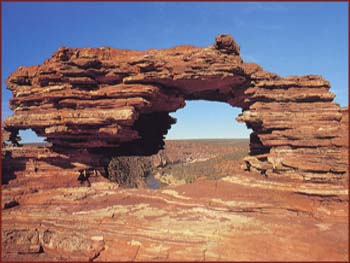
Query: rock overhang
(109, 100)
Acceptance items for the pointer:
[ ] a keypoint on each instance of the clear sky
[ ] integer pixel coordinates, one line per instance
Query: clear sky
(285, 38)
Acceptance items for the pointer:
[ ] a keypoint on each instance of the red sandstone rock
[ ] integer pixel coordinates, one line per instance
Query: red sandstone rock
(92, 103)
(241, 217)
(109, 100)
(226, 44)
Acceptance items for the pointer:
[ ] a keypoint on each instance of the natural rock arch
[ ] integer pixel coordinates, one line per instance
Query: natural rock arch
(94, 102)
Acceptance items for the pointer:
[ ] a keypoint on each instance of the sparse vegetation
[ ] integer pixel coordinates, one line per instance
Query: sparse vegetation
(186, 161)
(213, 168)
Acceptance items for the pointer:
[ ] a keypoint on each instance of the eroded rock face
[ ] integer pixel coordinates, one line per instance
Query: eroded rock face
(226, 44)
(103, 101)
(129, 171)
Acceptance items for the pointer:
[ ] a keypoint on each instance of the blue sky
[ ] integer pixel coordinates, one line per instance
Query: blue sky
(285, 38)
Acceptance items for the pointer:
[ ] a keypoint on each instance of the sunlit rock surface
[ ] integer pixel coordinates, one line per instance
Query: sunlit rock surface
(241, 217)
(106, 100)
(289, 202)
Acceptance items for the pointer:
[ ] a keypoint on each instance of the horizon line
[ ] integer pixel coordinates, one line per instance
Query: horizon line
(174, 139)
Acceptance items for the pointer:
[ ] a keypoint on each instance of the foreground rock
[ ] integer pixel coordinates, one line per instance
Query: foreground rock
(241, 217)
(91, 103)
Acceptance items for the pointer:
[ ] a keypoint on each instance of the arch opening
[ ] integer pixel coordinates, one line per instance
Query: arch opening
(202, 119)
(200, 140)
(20, 137)
(206, 143)
(29, 136)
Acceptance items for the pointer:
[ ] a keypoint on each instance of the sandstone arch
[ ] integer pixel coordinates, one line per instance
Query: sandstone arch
(92, 102)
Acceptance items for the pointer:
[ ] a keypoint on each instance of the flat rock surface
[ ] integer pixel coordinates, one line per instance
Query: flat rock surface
(241, 217)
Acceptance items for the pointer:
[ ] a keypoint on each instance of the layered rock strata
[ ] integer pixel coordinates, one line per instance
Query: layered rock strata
(239, 217)
(103, 101)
